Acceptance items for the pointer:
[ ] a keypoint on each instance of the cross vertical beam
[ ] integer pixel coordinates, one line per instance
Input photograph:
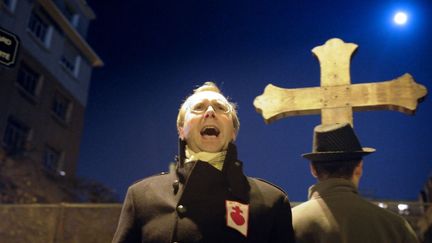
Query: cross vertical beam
(334, 58)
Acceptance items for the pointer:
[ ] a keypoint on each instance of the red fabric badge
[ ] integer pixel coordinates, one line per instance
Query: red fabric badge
(237, 215)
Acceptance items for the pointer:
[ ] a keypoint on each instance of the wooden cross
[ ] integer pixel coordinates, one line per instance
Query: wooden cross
(337, 98)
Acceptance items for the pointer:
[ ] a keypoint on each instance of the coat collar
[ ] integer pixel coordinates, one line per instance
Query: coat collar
(330, 186)
(232, 171)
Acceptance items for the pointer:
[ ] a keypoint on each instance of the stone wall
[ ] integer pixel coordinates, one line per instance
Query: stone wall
(58, 223)
(96, 223)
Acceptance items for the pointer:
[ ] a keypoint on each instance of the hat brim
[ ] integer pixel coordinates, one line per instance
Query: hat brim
(338, 155)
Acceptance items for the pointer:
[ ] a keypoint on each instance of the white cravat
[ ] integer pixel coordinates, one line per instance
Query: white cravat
(214, 159)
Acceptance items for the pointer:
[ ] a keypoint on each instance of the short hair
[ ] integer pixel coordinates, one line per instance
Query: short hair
(335, 169)
(208, 86)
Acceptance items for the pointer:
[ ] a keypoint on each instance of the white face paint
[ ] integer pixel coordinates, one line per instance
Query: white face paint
(208, 124)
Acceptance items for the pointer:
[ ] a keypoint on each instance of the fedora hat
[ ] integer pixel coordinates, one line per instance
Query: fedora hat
(336, 142)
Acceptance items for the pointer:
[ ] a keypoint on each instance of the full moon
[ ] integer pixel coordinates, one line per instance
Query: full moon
(400, 18)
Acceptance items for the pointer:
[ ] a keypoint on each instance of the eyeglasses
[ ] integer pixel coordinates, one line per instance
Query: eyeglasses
(201, 106)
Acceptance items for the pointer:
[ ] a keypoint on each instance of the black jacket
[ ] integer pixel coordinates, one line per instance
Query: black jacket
(190, 205)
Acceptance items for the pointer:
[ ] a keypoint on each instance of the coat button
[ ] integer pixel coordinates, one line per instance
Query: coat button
(237, 163)
(176, 185)
(181, 209)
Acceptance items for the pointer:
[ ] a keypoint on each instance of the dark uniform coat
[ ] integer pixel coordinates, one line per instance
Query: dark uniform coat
(191, 205)
(335, 213)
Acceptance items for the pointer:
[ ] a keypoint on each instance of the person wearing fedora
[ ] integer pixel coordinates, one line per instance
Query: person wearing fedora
(335, 212)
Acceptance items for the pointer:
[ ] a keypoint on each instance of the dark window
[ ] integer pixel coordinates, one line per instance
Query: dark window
(60, 106)
(28, 79)
(51, 159)
(15, 135)
(38, 27)
(68, 63)
(71, 15)
(70, 59)
(10, 4)
(69, 12)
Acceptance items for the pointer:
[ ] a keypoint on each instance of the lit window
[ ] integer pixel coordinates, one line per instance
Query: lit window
(15, 135)
(403, 208)
(51, 160)
(40, 29)
(382, 205)
(28, 79)
(61, 106)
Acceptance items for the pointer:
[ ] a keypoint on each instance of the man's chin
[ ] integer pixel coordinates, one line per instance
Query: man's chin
(212, 148)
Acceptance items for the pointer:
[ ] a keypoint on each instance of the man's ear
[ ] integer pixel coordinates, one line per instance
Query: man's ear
(180, 132)
(358, 170)
(357, 173)
(312, 170)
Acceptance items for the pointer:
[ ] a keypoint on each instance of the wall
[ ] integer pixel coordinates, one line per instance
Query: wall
(58, 223)
(96, 223)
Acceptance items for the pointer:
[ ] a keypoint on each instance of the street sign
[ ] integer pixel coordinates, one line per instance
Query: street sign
(9, 46)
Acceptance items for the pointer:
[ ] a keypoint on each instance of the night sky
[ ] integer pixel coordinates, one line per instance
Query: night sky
(156, 52)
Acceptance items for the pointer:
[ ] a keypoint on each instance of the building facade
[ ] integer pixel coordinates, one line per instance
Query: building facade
(43, 97)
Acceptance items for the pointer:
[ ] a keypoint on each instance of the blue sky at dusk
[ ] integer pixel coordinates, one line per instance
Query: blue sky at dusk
(156, 52)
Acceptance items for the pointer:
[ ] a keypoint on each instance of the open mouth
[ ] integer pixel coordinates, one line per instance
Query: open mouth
(210, 131)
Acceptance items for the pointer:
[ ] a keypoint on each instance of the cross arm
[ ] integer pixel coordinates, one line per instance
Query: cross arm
(401, 94)
(276, 103)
